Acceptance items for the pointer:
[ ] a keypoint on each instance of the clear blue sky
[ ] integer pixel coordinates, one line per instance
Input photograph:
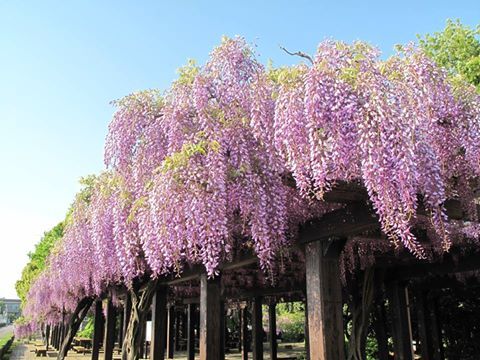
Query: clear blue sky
(62, 62)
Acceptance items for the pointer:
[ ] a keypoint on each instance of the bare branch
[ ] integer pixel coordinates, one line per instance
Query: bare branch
(298, 53)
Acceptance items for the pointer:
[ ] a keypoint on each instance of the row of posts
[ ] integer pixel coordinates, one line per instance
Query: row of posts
(324, 320)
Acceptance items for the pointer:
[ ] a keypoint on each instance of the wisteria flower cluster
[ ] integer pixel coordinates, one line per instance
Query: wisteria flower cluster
(202, 170)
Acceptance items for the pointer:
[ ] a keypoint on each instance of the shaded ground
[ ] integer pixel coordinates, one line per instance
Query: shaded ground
(26, 351)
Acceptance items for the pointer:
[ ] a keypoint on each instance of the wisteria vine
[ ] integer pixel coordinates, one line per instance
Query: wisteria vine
(202, 170)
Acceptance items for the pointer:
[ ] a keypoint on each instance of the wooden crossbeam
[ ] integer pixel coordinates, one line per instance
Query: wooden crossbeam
(195, 271)
(340, 223)
(448, 266)
(357, 218)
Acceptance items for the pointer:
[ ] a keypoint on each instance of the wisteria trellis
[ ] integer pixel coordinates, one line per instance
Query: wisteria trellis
(195, 172)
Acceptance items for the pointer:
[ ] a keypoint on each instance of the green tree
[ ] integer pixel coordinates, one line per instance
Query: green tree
(37, 260)
(457, 49)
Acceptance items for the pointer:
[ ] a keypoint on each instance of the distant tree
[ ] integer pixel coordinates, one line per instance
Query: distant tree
(38, 259)
(2, 306)
(457, 49)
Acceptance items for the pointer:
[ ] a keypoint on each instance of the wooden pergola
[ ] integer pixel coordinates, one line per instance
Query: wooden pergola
(313, 277)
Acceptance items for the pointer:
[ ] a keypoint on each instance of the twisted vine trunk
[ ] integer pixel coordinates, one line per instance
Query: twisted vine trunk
(141, 302)
(360, 309)
(75, 320)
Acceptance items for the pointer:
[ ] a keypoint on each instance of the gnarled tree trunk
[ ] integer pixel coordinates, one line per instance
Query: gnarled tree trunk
(73, 325)
(361, 307)
(141, 301)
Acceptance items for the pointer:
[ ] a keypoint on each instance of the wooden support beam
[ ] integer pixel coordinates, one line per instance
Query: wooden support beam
(119, 339)
(62, 331)
(272, 329)
(109, 339)
(71, 328)
(348, 221)
(447, 266)
(257, 329)
(239, 330)
(191, 332)
(142, 348)
(127, 311)
(401, 326)
(47, 336)
(422, 322)
(324, 302)
(244, 332)
(357, 217)
(55, 337)
(54, 334)
(222, 329)
(59, 336)
(379, 317)
(379, 325)
(210, 313)
(159, 324)
(178, 323)
(348, 193)
(435, 330)
(196, 271)
(97, 330)
(170, 332)
(307, 337)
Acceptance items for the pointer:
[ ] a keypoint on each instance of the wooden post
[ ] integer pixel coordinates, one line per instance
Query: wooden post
(120, 314)
(257, 329)
(324, 301)
(55, 337)
(60, 335)
(423, 333)
(222, 330)
(210, 313)
(178, 319)
(307, 337)
(109, 339)
(191, 332)
(400, 314)
(47, 336)
(272, 328)
(170, 332)
(62, 330)
(97, 330)
(54, 333)
(435, 330)
(159, 321)
(127, 310)
(239, 315)
(142, 347)
(52, 337)
(244, 333)
(379, 325)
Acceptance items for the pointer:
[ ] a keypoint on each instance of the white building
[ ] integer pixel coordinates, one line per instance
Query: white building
(11, 310)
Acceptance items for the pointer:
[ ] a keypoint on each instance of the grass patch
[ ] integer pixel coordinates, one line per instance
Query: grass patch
(6, 356)
(5, 338)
